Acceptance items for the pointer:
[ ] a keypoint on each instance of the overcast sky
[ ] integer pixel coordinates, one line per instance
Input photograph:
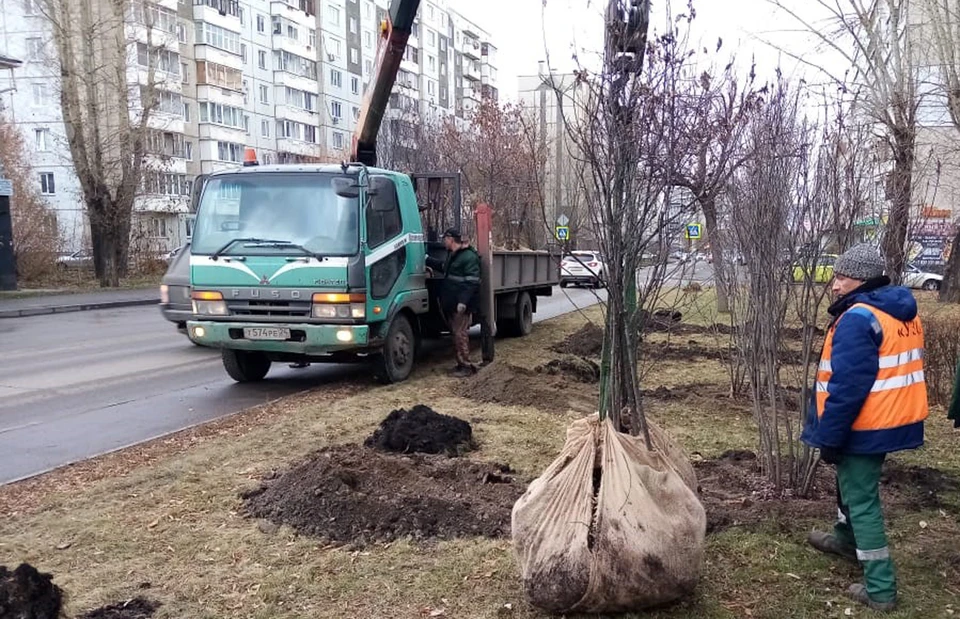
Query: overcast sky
(520, 29)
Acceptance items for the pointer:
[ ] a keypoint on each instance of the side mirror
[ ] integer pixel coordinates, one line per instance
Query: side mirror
(346, 187)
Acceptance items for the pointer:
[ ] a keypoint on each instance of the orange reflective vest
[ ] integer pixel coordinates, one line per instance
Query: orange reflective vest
(898, 397)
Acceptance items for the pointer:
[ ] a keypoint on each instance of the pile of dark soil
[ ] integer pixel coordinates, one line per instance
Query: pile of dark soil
(360, 496)
(25, 593)
(137, 608)
(660, 320)
(421, 430)
(514, 386)
(576, 368)
(586, 342)
(735, 493)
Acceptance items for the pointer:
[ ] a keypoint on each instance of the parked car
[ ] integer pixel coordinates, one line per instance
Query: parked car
(78, 260)
(822, 272)
(915, 277)
(175, 302)
(582, 267)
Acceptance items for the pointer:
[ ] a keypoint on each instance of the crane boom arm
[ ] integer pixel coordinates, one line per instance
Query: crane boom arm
(394, 33)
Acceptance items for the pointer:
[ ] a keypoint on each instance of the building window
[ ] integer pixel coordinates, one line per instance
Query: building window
(262, 59)
(243, 52)
(184, 72)
(261, 23)
(42, 139)
(431, 87)
(219, 75)
(432, 62)
(431, 11)
(40, 94)
(367, 66)
(188, 151)
(337, 139)
(311, 38)
(355, 85)
(368, 10)
(218, 37)
(336, 78)
(220, 114)
(181, 33)
(34, 48)
(47, 185)
(368, 39)
(353, 25)
(354, 55)
(161, 59)
(264, 94)
(335, 46)
(228, 151)
(336, 109)
(291, 63)
(29, 7)
(265, 128)
(356, 113)
(186, 112)
(333, 14)
(431, 37)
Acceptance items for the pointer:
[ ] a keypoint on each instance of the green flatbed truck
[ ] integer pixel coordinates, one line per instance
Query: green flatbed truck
(327, 263)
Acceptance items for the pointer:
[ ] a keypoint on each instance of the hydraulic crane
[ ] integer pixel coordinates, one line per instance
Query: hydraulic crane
(394, 32)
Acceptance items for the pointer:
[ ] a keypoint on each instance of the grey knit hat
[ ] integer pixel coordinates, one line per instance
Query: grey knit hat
(861, 262)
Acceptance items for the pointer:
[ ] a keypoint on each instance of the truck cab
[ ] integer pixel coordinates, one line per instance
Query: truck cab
(309, 263)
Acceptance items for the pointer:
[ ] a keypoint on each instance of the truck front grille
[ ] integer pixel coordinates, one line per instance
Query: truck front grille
(286, 309)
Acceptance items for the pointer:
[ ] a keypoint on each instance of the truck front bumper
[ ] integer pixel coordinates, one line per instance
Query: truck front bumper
(305, 339)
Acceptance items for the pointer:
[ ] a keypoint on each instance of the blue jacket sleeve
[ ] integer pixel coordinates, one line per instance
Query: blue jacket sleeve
(854, 360)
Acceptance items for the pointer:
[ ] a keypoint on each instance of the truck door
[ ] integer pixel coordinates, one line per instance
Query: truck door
(390, 258)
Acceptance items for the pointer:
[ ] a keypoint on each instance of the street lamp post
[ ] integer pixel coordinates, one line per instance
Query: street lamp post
(8, 262)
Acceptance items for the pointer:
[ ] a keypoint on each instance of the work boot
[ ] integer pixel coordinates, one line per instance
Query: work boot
(858, 593)
(828, 543)
(465, 371)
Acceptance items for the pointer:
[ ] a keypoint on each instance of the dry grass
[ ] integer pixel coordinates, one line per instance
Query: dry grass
(168, 514)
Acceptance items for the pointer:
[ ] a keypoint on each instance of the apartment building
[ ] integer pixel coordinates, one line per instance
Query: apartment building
(285, 77)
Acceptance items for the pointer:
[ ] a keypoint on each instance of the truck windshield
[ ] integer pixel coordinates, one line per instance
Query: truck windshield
(286, 210)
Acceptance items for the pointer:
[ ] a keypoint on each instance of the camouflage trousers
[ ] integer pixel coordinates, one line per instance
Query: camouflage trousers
(460, 326)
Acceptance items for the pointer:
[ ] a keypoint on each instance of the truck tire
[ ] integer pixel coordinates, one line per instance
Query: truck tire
(522, 324)
(395, 363)
(245, 366)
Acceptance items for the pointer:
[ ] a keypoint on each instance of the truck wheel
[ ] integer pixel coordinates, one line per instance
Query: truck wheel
(931, 284)
(395, 363)
(245, 366)
(522, 325)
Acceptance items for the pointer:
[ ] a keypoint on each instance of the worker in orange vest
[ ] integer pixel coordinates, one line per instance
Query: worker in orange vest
(871, 400)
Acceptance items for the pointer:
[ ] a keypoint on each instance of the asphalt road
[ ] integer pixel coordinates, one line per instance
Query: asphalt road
(77, 385)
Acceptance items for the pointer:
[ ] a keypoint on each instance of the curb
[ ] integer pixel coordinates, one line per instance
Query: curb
(82, 307)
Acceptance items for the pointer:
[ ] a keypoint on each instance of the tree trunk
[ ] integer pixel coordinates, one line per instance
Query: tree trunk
(950, 289)
(110, 236)
(901, 185)
(709, 207)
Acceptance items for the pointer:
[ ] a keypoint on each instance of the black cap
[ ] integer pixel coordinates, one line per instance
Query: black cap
(453, 233)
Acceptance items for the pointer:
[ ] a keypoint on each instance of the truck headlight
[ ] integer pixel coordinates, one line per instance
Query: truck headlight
(210, 308)
(164, 293)
(339, 305)
(207, 303)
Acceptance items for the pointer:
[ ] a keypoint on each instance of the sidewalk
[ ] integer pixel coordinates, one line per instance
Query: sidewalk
(63, 303)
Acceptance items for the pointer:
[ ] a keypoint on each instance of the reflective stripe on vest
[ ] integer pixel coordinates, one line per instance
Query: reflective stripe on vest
(898, 396)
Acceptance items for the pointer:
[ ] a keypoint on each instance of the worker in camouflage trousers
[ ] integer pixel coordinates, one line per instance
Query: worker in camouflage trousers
(870, 400)
(459, 294)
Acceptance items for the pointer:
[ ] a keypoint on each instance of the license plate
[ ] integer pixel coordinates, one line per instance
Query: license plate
(266, 333)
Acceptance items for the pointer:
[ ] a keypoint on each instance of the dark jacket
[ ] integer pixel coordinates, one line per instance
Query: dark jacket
(461, 282)
(954, 412)
(856, 346)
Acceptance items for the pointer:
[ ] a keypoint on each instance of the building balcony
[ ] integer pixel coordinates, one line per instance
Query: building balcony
(294, 46)
(299, 82)
(221, 133)
(471, 48)
(204, 52)
(298, 147)
(300, 115)
(217, 94)
(472, 93)
(471, 72)
(302, 12)
(223, 13)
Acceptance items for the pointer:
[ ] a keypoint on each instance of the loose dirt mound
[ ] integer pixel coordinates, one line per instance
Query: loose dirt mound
(577, 368)
(25, 593)
(513, 386)
(586, 342)
(137, 608)
(421, 430)
(735, 493)
(357, 495)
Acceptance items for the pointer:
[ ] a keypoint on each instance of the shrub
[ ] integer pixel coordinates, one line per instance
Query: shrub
(942, 349)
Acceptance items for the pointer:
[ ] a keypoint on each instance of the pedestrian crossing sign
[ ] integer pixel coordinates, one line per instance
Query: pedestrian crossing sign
(694, 231)
(563, 233)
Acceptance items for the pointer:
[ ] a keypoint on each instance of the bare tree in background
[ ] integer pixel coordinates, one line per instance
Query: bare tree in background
(942, 25)
(716, 105)
(874, 37)
(106, 117)
(35, 236)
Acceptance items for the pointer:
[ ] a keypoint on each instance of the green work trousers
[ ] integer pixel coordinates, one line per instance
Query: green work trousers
(860, 522)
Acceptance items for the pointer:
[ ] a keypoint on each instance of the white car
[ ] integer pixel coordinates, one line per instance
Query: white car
(582, 267)
(914, 277)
